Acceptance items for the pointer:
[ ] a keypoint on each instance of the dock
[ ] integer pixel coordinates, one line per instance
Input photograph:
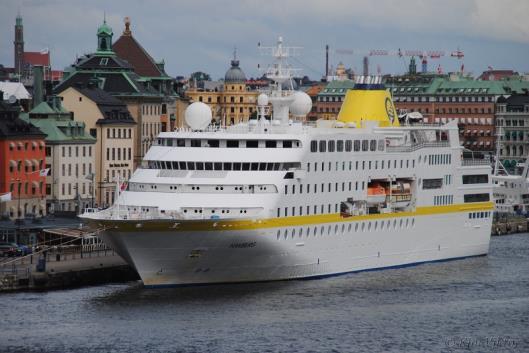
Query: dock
(59, 267)
(504, 224)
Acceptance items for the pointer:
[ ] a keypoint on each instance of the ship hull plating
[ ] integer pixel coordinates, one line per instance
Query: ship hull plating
(182, 257)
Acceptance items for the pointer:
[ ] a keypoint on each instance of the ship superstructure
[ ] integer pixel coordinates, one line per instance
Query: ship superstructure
(279, 199)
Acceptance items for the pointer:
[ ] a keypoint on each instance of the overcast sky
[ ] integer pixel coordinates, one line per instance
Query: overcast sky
(201, 35)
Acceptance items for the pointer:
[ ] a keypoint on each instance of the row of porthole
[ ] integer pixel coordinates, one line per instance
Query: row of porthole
(213, 211)
(408, 223)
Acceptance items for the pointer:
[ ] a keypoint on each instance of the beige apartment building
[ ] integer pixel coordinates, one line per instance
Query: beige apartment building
(110, 122)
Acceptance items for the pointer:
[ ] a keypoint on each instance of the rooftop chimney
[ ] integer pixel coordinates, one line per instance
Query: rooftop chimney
(38, 76)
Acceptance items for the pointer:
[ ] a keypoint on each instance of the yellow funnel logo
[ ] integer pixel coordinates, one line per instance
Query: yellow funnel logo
(368, 105)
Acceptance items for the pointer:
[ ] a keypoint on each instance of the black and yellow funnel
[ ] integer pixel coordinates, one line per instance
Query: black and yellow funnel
(368, 102)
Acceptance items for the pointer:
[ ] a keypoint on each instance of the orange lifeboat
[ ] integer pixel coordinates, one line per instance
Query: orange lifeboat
(376, 194)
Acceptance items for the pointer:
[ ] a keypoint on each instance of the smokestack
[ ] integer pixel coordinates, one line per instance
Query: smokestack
(326, 61)
(38, 76)
(366, 66)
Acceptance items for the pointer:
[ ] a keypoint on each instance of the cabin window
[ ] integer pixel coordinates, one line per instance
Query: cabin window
(357, 145)
(287, 144)
(373, 145)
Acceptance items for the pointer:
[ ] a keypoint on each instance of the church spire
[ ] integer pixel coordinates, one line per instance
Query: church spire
(104, 37)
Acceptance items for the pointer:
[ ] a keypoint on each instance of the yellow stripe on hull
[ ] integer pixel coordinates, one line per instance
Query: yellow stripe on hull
(250, 224)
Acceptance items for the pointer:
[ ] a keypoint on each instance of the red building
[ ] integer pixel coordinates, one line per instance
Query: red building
(22, 157)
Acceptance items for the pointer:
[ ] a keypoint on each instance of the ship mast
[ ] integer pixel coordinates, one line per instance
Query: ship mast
(280, 72)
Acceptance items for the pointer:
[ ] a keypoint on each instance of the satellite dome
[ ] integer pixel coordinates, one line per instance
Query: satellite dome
(198, 116)
(262, 100)
(234, 73)
(301, 105)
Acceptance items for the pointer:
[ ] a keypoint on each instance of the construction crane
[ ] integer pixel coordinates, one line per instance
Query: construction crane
(424, 55)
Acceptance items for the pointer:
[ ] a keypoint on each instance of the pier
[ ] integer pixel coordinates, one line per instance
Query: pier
(508, 224)
(61, 267)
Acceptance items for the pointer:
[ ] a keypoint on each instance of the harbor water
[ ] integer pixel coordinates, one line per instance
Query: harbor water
(477, 304)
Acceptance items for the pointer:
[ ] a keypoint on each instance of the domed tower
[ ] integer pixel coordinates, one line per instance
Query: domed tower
(104, 38)
(234, 79)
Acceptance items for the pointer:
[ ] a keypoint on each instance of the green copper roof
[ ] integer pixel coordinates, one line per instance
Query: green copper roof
(60, 131)
(105, 29)
(337, 88)
(42, 108)
(456, 86)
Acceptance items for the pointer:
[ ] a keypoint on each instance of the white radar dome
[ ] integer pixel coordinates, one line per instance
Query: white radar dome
(198, 116)
(262, 100)
(301, 105)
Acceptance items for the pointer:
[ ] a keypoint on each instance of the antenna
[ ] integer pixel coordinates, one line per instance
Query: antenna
(279, 72)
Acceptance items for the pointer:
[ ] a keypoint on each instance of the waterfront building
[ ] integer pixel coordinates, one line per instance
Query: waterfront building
(22, 160)
(512, 122)
(109, 121)
(70, 156)
(231, 101)
(330, 99)
(117, 77)
(441, 98)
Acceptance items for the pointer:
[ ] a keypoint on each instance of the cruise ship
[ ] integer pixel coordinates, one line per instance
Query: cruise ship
(278, 199)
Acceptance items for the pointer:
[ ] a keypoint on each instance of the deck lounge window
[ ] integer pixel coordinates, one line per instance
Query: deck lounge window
(476, 197)
(214, 143)
(331, 145)
(348, 145)
(357, 145)
(476, 179)
(252, 144)
(232, 143)
(314, 146)
(339, 146)
(373, 145)
(195, 143)
(323, 146)
(271, 144)
(365, 145)
(180, 142)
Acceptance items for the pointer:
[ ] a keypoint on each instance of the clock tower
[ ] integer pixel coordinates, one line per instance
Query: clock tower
(19, 45)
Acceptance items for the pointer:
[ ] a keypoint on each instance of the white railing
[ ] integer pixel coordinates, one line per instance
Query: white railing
(418, 146)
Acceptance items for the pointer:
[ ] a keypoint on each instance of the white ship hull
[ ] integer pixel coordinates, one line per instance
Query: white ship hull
(165, 258)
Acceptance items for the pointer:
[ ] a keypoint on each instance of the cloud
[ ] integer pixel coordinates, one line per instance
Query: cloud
(200, 35)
